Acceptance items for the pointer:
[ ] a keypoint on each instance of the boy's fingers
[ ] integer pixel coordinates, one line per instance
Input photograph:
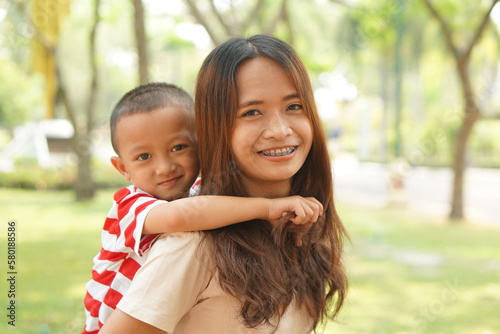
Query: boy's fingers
(315, 212)
(286, 217)
(302, 216)
(311, 215)
(298, 232)
(308, 213)
(314, 203)
(303, 228)
(298, 238)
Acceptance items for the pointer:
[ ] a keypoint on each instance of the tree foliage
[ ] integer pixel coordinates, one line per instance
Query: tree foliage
(15, 108)
(46, 19)
(394, 52)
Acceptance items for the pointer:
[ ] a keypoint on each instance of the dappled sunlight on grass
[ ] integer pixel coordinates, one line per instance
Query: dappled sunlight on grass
(419, 276)
(57, 239)
(52, 275)
(42, 215)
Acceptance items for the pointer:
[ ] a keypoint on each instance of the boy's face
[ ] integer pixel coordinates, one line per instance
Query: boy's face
(157, 151)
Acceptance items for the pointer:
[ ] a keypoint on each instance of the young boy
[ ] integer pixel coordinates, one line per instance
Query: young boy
(153, 134)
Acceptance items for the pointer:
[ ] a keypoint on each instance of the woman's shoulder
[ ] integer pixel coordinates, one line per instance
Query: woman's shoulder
(179, 253)
(180, 237)
(178, 240)
(185, 245)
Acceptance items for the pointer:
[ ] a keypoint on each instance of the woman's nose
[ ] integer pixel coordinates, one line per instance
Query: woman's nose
(277, 127)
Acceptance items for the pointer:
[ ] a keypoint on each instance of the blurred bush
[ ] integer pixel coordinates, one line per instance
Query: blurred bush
(28, 175)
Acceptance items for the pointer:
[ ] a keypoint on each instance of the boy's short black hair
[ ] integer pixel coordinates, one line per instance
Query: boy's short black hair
(148, 97)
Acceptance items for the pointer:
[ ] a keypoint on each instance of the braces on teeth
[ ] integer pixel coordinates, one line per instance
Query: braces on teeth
(278, 152)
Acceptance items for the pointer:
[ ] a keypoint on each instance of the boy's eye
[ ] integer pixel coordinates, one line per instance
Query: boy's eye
(144, 156)
(178, 148)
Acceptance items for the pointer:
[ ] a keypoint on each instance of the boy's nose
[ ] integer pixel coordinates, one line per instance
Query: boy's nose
(165, 166)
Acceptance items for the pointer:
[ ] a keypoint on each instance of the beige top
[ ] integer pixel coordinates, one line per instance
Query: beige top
(176, 290)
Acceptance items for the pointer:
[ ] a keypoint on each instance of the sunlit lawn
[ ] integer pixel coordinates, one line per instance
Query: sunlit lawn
(412, 273)
(57, 239)
(409, 273)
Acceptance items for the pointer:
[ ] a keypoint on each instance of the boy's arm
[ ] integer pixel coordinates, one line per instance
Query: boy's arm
(120, 322)
(211, 212)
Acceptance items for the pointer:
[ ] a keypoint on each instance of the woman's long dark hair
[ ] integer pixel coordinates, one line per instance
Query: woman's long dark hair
(263, 268)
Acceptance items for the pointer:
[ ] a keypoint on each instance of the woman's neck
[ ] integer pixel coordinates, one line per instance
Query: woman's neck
(272, 189)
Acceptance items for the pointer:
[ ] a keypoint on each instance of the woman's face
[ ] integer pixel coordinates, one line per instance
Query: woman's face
(272, 134)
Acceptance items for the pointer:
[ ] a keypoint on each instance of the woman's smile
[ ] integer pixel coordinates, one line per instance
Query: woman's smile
(279, 151)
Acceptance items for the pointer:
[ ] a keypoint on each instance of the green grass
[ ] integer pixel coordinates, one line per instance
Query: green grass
(414, 273)
(57, 239)
(409, 273)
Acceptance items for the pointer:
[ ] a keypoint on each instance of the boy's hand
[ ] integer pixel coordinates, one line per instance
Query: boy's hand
(301, 211)
(297, 230)
(297, 209)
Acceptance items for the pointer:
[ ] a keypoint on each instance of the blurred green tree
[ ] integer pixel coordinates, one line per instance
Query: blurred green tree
(16, 108)
(46, 54)
(47, 18)
(232, 18)
(400, 35)
(461, 54)
(383, 28)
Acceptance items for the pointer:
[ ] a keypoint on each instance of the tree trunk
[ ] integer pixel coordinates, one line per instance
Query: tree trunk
(471, 110)
(82, 140)
(398, 85)
(84, 185)
(471, 115)
(141, 41)
(384, 94)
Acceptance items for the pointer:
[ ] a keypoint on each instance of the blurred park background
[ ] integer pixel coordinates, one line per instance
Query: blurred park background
(409, 95)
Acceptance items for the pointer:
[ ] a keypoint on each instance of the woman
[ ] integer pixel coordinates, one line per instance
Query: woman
(259, 135)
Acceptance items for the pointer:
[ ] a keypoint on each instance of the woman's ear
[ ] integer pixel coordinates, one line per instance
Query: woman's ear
(117, 162)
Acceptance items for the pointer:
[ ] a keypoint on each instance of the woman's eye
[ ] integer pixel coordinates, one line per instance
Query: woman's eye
(251, 113)
(178, 148)
(295, 106)
(144, 156)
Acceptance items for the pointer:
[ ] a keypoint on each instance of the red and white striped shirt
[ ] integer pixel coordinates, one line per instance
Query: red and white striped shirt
(123, 252)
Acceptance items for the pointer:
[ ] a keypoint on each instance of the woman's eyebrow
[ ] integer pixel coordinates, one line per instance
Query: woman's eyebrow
(250, 103)
(256, 102)
(291, 96)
